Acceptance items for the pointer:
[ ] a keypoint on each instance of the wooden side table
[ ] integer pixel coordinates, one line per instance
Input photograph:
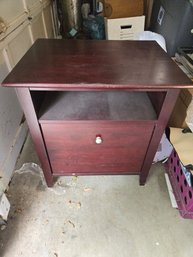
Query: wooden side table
(96, 107)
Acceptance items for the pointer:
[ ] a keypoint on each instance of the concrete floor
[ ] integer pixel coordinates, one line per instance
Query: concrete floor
(97, 216)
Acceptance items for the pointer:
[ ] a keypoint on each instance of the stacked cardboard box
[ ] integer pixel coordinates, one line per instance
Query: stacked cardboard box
(178, 116)
(124, 19)
(123, 8)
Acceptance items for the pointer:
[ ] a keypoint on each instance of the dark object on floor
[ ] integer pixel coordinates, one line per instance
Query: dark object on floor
(94, 27)
(186, 130)
(189, 167)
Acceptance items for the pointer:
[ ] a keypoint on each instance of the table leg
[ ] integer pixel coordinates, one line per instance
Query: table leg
(26, 103)
(167, 107)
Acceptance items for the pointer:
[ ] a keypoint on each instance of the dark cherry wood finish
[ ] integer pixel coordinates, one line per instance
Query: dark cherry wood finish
(90, 64)
(101, 91)
(160, 125)
(72, 148)
(26, 103)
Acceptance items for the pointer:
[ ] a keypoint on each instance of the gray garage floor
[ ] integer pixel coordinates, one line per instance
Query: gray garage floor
(103, 216)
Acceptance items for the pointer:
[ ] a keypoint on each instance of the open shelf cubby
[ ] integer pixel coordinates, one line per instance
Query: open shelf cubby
(96, 105)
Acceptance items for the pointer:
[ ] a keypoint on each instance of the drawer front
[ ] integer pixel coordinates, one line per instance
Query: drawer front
(97, 148)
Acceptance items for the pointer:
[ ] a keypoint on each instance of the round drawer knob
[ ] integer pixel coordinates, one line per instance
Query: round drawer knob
(98, 140)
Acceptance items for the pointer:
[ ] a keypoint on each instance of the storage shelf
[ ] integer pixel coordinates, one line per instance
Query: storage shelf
(113, 105)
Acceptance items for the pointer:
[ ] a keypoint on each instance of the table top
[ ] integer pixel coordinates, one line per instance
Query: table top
(92, 64)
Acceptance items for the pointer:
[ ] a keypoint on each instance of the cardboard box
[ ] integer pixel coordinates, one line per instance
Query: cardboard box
(124, 28)
(123, 8)
(178, 115)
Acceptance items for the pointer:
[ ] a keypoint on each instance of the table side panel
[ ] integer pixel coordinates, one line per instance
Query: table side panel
(26, 103)
(165, 112)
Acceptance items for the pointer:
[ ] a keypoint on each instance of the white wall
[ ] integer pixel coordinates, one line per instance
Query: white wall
(21, 23)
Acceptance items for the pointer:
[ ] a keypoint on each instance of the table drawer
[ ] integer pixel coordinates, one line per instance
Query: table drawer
(97, 148)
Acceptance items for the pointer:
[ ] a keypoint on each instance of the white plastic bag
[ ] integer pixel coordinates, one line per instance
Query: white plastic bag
(149, 35)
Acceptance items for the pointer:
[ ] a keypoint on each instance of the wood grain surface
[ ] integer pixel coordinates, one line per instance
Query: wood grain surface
(72, 147)
(90, 64)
